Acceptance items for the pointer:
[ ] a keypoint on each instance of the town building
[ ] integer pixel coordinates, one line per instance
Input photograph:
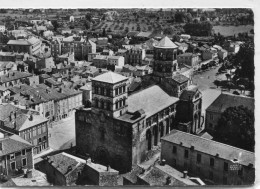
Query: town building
(143, 70)
(32, 46)
(16, 155)
(64, 169)
(209, 54)
(2, 27)
(13, 78)
(80, 47)
(135, 56)
(213, 162)
(221, 103)
(189, 59)
(29, 126)
(120, 130)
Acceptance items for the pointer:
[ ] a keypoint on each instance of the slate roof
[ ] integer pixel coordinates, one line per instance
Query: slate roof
(210, 147)
(13, 144)
(151, 100)
(156, 177)
(224, 101)
(179, 78)
(110, 77)
(63, 160)
(166, 43)
(10, 77)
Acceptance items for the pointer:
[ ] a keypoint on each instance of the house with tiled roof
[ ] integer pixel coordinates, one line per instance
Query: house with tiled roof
(31, 46)
(189, 59)
(213, 162)
(13, 78)
(64, 169)
(16, 155)
(29, 126)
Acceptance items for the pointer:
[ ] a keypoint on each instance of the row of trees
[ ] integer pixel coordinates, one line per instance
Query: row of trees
(198, 29)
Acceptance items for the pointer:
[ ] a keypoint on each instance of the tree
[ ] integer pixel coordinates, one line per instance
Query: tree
(87, 24)
(236, 127)
(88, 17)
(55, 25)
(189, 17)
(168, 31)
(180, 17)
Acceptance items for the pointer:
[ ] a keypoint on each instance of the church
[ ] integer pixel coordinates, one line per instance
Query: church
(120, 129)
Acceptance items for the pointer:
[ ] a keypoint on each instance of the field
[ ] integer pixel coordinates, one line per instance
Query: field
(231, 30)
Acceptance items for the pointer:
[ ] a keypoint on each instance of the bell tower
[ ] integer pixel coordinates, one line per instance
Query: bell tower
(165, 58)
(109, 94)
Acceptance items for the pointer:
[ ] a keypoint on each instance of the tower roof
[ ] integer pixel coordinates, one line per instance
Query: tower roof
(166, 43)
(110, 77)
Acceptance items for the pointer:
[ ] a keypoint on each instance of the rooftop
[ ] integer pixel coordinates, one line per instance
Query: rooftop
(225, 100)
(13, 144)
(166, 43)
(210, 147)
(65, 163)
(179, 78)
(13, 75)
(110, 77)
(151, 100)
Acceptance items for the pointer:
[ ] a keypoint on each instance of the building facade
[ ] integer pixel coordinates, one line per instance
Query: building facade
(211, 161)
(120, 130)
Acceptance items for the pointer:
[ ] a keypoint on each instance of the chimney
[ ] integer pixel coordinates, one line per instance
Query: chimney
(100, 70)
(217, 155)
(69, 168)
(29, 173)
(192, 147)
(163, 162)
(185, 174)
(108, 168)
(30, 117)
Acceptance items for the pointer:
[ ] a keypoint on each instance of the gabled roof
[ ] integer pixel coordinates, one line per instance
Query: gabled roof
(65, 163)
(110, 77)
(166, 43)
(13, 144)
(151, 100)
(179, 78)
(210, 147)
(226, 100)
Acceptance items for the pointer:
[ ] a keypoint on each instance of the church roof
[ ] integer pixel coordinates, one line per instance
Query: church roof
(166, 43)
(151, 100)
(110, 77)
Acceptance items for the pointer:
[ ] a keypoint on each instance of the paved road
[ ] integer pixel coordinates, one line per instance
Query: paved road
(62, 134)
